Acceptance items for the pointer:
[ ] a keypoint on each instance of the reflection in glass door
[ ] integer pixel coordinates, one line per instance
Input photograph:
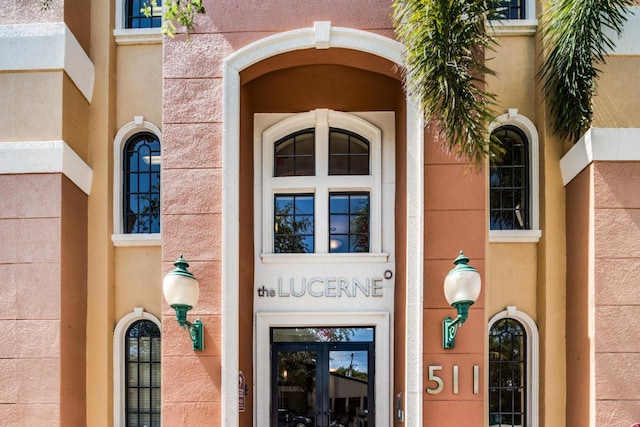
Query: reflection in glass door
(322, 377)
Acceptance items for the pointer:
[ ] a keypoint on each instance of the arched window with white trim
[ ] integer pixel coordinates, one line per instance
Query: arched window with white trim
(136, 184)
(513, 181)
(136, 370)
(513, 370)
(321, 176)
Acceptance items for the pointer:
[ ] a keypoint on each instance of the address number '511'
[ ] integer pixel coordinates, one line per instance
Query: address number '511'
(439, 383)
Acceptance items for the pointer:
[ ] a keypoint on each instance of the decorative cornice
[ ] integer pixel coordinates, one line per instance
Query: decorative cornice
(48, 46)
(45, 157)
(601, 144)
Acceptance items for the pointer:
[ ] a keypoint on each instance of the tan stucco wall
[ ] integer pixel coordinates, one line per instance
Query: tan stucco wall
(34, 112)
(138, 279)
(75, 118)
(101, 286)
(139, 83)
(514, 83)
(512, 278)
(616, 102)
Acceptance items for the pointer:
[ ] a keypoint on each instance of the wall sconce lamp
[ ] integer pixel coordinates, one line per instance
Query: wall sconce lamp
(462, 289)
(181, 290)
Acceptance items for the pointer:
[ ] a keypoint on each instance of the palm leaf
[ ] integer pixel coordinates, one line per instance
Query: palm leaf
(574, 38)
(444, 69)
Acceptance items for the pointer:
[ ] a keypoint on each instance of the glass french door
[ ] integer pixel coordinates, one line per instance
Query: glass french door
(322, 377)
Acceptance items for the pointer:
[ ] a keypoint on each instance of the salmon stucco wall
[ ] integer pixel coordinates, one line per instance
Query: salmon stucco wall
(616, 265)
(455, 219)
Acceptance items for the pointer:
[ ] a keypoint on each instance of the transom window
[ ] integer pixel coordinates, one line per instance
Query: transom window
(142, 375)
(348, 153)
(141, 173)
(509, 182)
(134, 18)
(507, 373)
(322, 181)
(294, 155)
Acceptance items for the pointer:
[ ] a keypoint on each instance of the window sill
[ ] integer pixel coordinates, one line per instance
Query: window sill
(514, 236)
(130, 36)
(132, 240)
(513, 27)
(324, 258)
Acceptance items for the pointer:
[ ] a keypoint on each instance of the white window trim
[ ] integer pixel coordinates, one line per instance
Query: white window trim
(533, 359)
(119, 362)
(321, 36)
(533, 234)
(126, 36)
(516, 27)
(383, 355)
(321, 184)
(119, 238)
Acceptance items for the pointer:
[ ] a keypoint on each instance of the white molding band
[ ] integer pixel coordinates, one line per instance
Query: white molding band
(136, 240)
(600, 144)
(137, 36)
(255, 52)
(45, 157)
(48, 46)
(514, 236)
(629, 41)
(513, 27)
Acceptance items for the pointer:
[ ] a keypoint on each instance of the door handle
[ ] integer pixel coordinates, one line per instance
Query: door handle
(328, 414)
(315, 414)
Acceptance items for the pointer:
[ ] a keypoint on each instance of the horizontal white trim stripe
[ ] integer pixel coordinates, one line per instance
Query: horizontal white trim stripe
(48, 46)
(133, 240)
(514, 236)
(629, 41)
(138, 36)
(45, 157)
(513, 27)
(601, 144)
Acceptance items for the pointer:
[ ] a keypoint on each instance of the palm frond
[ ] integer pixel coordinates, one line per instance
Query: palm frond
(445, 68)
(574, 37)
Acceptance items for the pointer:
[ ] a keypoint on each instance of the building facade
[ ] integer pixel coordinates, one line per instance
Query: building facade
(275, 149)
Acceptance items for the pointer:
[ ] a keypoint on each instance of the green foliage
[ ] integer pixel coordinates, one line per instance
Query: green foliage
(574, 39)
(176, 12)
(291, 231)
(445, 68)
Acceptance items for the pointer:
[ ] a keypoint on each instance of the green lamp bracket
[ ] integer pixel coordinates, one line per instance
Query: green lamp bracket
(450, 326)
(195, 329)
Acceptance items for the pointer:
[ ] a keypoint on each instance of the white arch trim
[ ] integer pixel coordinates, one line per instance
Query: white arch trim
(513, 118)
(119, 238)
(533, 359)
(119, 364)
(321, 36)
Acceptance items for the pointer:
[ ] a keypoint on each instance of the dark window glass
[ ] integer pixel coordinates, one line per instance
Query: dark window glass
(348, 222)
(142, 377)
(508, 9)
(509, 182)
(136, 19)
(295, 154)
(294, 223)
(348, 153)
(142, 184)
(507, 374)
